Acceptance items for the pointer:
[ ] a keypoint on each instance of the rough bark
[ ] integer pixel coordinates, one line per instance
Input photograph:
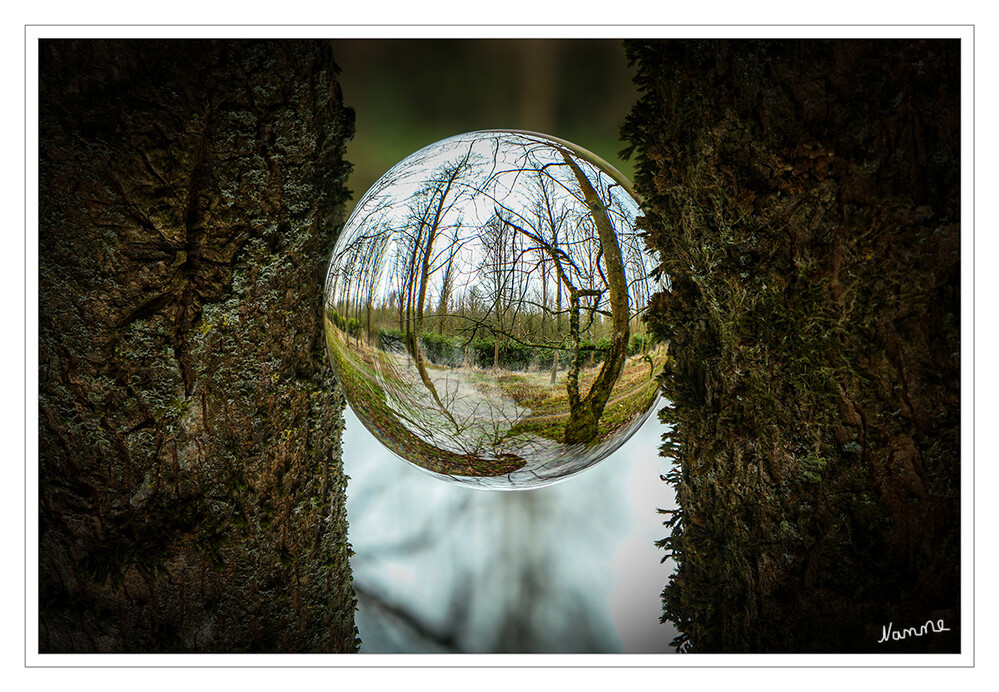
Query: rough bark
(191, 490)
(804, 198)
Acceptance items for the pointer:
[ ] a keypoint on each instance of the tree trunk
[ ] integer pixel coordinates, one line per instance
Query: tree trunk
(191, 490)
(558, 328)
(804, 199)
(421, 299)
(585, 416)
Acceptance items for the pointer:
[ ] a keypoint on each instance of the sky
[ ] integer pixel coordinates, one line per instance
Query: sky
(499, 173)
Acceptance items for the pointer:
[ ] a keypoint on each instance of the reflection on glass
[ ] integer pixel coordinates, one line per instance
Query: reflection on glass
(483, 310)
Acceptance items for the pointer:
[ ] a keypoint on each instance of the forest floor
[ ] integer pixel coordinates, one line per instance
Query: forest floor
(476, 421)
(634, 391)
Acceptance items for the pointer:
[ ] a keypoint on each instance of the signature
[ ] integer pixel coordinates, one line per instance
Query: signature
(895, 635)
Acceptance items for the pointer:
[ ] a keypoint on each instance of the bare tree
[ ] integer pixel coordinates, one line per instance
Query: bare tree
(586, 412)
(510, 243)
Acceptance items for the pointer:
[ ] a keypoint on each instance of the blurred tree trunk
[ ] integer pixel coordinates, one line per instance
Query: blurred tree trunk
(804, 198)
(539, 66)
(192, 497)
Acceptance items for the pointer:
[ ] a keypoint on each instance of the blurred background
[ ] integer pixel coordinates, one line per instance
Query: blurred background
(408, 93)
(438, 568)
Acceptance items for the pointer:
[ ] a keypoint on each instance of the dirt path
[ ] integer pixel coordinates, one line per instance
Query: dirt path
(479, 420)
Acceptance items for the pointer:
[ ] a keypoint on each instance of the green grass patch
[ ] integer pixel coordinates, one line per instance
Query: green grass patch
(357, 377)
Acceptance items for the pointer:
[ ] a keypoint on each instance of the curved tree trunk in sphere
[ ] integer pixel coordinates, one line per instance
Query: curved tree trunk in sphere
(586, 412)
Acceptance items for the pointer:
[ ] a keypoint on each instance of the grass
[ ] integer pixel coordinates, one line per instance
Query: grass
(633, 393)
(361, 368)
(359, 382)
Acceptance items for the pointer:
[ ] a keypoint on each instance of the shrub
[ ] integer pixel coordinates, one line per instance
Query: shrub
(438, 349)
(639, 342)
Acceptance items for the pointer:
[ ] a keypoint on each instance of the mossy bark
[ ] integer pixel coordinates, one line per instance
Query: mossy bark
(804, 199)
(191, 490)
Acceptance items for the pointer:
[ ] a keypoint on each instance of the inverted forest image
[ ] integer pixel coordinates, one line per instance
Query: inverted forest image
(303, 304)
(477, 238)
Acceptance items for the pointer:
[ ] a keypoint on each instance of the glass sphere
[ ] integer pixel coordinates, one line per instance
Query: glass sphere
(483, 306)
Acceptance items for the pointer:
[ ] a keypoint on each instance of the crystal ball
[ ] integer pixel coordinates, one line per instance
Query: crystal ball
(483, 310)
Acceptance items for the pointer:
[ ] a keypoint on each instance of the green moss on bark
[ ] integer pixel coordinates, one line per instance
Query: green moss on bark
(192, 495)
(804, 198)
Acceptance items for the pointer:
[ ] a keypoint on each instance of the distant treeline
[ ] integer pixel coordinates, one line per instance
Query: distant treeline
(479, 351)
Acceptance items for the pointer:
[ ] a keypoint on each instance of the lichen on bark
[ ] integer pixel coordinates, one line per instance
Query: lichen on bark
(804, 199)
(191, 489)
